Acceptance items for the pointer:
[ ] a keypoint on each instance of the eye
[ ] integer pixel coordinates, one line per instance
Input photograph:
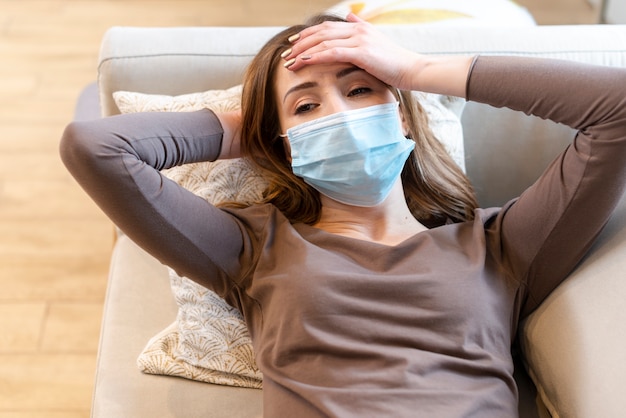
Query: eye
(359, 91)
(306, 107)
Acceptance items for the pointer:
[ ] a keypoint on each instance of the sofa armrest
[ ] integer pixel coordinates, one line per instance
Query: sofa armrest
(574, 343)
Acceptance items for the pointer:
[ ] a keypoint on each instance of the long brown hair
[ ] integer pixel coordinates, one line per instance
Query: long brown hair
(436, 189)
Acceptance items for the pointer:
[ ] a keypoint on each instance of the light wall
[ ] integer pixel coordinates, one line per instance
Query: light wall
(614, 11)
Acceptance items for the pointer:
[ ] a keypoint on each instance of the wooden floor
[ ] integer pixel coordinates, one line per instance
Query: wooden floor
(54, 243)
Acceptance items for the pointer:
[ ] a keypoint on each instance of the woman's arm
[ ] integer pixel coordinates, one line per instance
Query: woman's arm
(547, 231)
(117, 161)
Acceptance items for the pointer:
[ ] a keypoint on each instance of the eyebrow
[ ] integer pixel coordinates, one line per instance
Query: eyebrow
(309, 84)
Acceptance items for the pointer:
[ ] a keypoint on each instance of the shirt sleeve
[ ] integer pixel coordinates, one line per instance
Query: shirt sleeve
(117, 161)
(546, 231)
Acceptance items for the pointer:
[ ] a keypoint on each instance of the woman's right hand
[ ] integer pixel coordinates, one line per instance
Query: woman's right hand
(361, 44)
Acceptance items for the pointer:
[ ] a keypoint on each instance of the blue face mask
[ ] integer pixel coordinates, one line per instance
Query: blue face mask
(354, 157)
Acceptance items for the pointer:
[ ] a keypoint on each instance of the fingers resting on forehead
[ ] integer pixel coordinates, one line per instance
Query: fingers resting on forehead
(327, 42)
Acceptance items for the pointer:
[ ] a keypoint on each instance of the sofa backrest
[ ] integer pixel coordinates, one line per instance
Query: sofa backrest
(498, 142)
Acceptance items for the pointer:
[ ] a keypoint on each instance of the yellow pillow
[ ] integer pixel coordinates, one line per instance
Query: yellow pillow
(441, 12)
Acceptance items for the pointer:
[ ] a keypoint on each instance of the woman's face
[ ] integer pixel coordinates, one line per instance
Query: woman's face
(320, 90)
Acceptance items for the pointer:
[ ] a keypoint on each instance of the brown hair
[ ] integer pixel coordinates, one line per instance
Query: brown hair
(435, 188)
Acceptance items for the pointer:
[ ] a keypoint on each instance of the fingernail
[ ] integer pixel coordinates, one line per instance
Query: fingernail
(289, 63)
(294, 38)
(286, 53)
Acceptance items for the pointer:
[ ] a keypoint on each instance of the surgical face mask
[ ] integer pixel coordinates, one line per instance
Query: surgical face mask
(354, 157)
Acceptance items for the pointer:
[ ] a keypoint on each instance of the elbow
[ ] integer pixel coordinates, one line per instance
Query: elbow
(69, 145)
(79, 149)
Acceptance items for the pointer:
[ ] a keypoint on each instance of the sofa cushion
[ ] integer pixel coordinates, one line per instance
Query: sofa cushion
(139, 304)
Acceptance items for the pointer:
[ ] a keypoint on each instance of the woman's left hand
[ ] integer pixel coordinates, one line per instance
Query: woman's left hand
(361, 44)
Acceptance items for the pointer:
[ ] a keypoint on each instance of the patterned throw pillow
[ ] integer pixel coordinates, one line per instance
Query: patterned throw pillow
(438, 12)
(209, 341)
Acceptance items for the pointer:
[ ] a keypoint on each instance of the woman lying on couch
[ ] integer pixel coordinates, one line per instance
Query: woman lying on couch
(370, 282)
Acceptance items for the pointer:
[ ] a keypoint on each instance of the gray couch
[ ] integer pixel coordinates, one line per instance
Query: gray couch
(573, 345)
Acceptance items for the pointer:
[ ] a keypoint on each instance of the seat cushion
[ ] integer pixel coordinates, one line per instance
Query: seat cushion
(139, 304)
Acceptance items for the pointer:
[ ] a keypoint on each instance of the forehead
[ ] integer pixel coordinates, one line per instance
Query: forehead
(317, 74)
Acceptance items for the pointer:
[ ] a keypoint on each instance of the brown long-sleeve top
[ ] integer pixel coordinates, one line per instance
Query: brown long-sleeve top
(348, 328)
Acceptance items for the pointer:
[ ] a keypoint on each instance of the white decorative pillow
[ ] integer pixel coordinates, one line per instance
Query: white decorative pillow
(209, 340)
(438, 12)
(217, 100)
(444, 118)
